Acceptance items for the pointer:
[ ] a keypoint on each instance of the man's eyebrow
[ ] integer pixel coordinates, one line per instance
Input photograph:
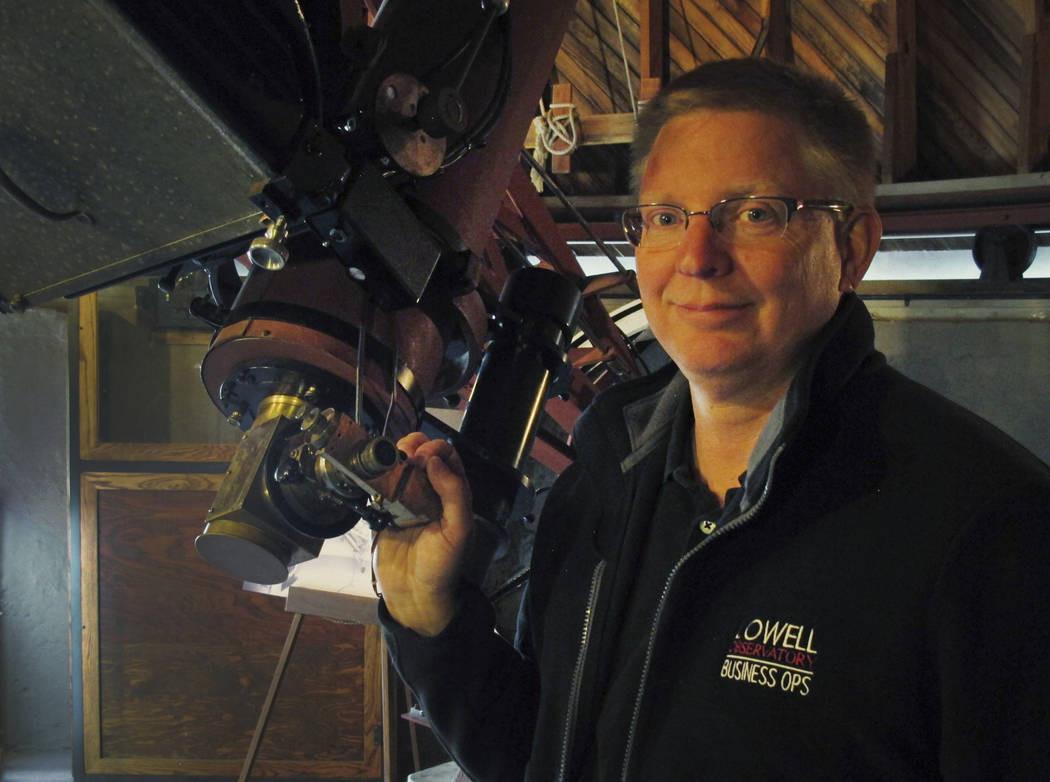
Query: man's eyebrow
(740, 191)
(751, 190)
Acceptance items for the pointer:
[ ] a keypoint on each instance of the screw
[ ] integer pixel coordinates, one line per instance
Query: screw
(337, 235)
(357, 274)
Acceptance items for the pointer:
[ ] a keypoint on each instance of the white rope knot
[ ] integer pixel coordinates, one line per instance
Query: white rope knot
(557, 129)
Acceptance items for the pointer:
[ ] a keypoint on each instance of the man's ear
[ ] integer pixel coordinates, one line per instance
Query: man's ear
(857, 244)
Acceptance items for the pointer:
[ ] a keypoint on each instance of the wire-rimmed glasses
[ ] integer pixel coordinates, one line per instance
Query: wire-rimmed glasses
(747, 220)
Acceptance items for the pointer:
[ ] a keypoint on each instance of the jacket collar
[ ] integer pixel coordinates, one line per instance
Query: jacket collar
(837, 353)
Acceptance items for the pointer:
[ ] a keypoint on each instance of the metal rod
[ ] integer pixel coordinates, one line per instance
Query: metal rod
(275, 683)
(549, 181)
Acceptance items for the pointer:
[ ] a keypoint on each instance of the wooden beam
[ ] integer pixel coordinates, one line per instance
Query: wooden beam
(561, 94)
(1034, 138)
(547, 243)
(648, 89)
(652, 41)
(775, 35)
(965, 218)
(899, 141)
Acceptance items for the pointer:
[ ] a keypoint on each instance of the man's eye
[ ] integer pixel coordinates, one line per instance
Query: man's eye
(758, 215)
(664, 218)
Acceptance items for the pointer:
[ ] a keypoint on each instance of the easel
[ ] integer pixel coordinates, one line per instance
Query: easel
(348, 609)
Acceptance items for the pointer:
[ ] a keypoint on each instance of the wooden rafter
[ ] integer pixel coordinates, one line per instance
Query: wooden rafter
(899, 144)
(1034, 141)
(540, 232)
(775, 36)
(561, 112)
(653, 59)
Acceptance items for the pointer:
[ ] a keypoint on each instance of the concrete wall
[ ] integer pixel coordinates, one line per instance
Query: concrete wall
(36, 714)
(991, 357)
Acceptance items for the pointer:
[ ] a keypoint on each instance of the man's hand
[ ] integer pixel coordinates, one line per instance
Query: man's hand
(418, 568)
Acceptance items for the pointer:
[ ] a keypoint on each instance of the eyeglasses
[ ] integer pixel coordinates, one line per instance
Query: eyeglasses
(749, 220)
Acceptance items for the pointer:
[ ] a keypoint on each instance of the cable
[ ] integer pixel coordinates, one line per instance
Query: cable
(314, 65)
(490, 116)
(623, 54)
(393, 390)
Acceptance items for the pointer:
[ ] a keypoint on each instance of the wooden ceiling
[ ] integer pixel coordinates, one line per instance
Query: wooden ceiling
(953, 88)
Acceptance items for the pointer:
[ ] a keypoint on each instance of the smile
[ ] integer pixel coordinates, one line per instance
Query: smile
(711, 313)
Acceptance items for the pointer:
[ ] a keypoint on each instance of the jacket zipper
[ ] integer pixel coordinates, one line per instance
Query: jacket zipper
(740, 520)
(577, 674)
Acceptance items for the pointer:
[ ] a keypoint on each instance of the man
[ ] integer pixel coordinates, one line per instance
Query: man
(775, 559)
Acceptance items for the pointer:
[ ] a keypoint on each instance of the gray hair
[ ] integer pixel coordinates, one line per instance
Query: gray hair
(841, 140)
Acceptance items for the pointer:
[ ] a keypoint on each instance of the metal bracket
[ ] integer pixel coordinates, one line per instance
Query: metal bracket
(380, 512)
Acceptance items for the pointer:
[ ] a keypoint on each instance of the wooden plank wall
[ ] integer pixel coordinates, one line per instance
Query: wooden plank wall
(178, 658)
(968, 53)
(968, 87)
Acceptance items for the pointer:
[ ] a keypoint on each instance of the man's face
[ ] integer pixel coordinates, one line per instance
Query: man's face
(724, 311)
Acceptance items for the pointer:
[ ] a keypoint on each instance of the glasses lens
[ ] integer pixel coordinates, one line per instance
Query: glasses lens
(631, 220)
(748, 220)
(654, 226)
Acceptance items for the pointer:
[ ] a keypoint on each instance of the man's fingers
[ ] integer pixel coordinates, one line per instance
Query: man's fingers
(411, 443)
(446, 475)
(454, 492)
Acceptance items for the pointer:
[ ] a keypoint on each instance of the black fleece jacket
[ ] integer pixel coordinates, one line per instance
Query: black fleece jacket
(877, 605)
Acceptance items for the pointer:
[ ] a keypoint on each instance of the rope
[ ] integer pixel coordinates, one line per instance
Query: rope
(623, 54)
(556, 135)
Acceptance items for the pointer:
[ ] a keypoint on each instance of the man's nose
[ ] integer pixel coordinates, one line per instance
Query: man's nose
(703, 253)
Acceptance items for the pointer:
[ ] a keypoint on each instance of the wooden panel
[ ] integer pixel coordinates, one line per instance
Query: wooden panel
(686, 47)
(576, 66)
(968, 100)
(93, 443)
(178, 658)
(866, 20)
(1034, 130)
(603, 20)
(807, 56)
(867, 52)
(719, 28)
(986, 107)
(949, 145)
(591, 61)
(1002, 19)
(854, 74)
(958, 42)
